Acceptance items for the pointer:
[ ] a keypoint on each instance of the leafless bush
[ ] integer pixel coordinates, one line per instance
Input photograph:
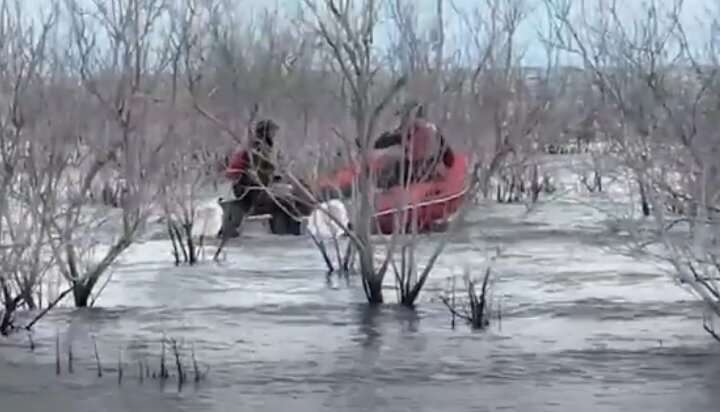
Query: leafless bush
(513, 117)
(522, 180)
(187, 176)
(28, 176)
(117, 81)
(80, 114)
(475, 307)
(174, 360)
(661, 111)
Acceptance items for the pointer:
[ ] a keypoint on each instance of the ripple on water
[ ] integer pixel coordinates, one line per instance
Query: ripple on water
(580, 329)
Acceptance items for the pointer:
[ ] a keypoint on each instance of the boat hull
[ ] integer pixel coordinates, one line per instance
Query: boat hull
(417, 207)
(420, 206)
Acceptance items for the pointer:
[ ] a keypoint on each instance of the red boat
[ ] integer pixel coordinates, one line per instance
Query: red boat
(424, 204)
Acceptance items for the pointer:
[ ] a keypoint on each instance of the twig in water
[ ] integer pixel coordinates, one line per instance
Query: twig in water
(712, 332)
(31, 341)
(476, 310)
(179, 237)
(196, 370)
(452, 321)
(70, 358)
(499, 314)
(480, 317)
(98, 364)
(710, 328)
(347, 260)
(320, 244)
(176, 251)
(120, 367)
(178, 363)
(57, 354)
(48, 308)
(163, 368)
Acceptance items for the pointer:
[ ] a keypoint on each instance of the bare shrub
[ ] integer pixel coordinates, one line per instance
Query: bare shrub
(511, 117)
(475, 307)
(661, 113)
(29, 174)
(117, 81)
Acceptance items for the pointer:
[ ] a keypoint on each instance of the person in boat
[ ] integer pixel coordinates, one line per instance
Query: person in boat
(253, 173)
(419, 157)
(253, 167)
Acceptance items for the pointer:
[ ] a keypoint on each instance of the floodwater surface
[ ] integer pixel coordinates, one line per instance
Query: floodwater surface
(581, 328)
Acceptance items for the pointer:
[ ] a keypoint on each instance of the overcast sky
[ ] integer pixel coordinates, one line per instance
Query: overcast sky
(697, 14)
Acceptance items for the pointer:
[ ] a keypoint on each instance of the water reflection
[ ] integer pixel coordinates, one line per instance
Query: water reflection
(368, 318)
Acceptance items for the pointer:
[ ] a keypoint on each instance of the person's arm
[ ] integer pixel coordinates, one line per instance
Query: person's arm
(237, 164)
(388, 139)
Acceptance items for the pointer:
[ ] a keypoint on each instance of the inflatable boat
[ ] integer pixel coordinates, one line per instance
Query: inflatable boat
(423, 205)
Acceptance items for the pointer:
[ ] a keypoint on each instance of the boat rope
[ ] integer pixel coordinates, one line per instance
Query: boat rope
(431, 202)
(425, 203)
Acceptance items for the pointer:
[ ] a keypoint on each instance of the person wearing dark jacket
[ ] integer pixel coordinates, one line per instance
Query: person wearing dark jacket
(253, 166)
(252, 171)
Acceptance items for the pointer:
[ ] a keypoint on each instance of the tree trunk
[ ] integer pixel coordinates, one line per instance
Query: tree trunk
(535, 186)
(10, 305)
(82, 290)
(643, 200)
(373, 289)
(598, 181)
(29, 300)
(6, 325)
(81, 294)
(363, 217)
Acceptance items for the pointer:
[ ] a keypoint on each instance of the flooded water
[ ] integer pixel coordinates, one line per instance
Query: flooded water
(582, 329)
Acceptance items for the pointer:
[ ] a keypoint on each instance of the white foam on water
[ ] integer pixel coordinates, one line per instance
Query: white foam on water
(321, 224)
(208, 219)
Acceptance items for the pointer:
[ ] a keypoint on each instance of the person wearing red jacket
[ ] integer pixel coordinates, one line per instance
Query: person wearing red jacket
(252, 171)
(253, 166)
(417, 157)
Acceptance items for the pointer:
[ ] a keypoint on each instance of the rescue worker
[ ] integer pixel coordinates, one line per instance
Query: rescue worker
(251, 170)
(418, 157)
(253, 166)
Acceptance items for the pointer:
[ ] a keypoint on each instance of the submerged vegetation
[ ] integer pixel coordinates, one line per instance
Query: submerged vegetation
(475, 307)
(173, 361)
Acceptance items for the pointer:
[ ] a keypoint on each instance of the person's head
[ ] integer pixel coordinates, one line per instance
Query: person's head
(265, 133)
(410, 110)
